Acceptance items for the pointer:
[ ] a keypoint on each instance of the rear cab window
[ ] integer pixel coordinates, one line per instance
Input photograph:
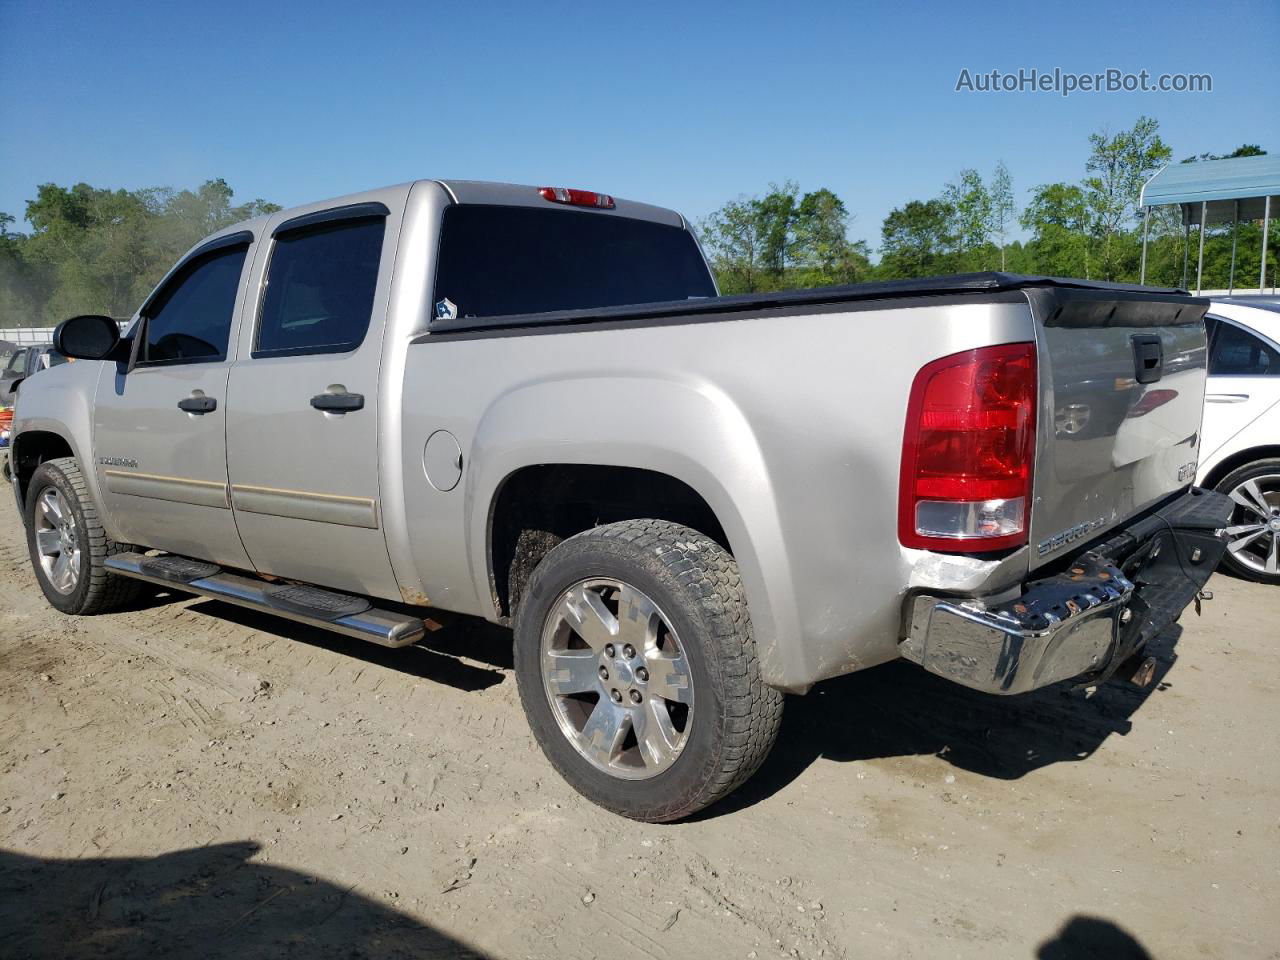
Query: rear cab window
(505, 260)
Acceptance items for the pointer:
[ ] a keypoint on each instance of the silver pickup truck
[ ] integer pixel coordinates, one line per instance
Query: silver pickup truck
(530, 405)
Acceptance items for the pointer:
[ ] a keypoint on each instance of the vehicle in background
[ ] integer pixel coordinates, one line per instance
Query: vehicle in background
(26, 361)
(1241, 446)
(7, 351)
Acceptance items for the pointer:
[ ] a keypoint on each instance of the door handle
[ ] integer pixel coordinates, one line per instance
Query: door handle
(1226, 397)
(198, 404)
(338, 402)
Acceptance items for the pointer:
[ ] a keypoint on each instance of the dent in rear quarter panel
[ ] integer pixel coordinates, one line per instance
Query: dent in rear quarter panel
(790, 427)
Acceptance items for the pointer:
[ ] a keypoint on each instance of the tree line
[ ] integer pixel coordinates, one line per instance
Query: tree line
(94, 250)
(1090, 228)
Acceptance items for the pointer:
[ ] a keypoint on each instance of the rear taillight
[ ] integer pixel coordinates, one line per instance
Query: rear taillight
(577, 198)
(967, 451)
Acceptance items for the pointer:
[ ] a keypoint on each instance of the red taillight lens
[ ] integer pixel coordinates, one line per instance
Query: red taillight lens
(577, 198)
(968, 450)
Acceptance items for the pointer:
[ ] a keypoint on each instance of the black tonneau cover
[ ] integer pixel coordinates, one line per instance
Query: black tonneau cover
(961, 284)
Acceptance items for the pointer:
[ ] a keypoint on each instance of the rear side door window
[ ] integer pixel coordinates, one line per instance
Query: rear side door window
(1235, 352)
(189, 321)
(320, 288)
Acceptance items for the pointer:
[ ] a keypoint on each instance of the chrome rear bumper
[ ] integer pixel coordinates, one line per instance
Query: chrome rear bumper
(1083, 623)
(1031, 642)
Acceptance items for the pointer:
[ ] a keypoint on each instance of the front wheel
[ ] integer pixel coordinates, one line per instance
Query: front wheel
(1253, 550)
(638, 671)
(68, 544)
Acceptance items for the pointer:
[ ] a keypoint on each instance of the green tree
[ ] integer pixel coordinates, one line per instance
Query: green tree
(821, 249)
(1119, 165)
(972, 210)
(1003, 208)
(185, 216)
(1058, 220)
(782, 239)
(20, 287)
(1244, 150)
(916, 240)
(94, 243)
(92, 250)
(776, 213)
(732, 239)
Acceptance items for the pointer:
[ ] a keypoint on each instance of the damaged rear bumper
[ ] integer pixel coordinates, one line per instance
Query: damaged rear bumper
(1086, 621)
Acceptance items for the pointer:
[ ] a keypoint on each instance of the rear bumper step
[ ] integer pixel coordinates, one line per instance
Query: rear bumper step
(342, 613)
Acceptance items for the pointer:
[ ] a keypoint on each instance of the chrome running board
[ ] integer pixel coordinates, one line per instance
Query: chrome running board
(341, 613)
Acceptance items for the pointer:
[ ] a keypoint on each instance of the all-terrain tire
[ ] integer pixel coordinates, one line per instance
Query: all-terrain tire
(95, 590)
(735, 717)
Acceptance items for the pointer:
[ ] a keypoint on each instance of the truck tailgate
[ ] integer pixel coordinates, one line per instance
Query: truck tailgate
(1122, 394)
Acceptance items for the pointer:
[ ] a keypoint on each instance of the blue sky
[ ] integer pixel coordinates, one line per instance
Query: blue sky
(685, 105)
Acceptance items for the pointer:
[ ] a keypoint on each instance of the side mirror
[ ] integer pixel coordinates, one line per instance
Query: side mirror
(87, 337)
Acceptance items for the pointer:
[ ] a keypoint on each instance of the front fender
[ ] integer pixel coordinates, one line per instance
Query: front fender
(59, 401)
(692, 432)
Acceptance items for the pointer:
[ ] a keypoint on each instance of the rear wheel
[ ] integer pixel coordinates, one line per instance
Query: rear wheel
(638, 671)
(1253, 550)
(68, 544)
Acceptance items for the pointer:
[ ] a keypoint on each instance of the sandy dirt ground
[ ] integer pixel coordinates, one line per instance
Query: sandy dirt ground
(191, 779)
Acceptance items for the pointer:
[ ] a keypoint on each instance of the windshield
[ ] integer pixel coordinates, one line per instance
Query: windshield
(496, 261)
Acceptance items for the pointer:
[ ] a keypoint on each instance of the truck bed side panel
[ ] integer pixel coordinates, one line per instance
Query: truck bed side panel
(782, 422)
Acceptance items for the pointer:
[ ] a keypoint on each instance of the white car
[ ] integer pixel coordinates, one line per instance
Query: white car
(1241, 445)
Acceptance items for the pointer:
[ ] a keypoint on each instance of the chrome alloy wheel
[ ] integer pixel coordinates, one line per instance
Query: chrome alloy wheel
(617, 678)
(57, 541)
(1255, 530)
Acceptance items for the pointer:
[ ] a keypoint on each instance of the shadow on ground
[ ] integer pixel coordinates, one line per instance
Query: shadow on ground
(438, 658)
(900, 710)
(203, 902)
(890, 711)
(1092, 938)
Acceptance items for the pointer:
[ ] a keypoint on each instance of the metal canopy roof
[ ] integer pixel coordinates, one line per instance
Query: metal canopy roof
(1219, 184)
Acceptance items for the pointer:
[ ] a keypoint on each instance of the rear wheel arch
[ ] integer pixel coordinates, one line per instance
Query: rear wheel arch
(693, 433)
(536, 507)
